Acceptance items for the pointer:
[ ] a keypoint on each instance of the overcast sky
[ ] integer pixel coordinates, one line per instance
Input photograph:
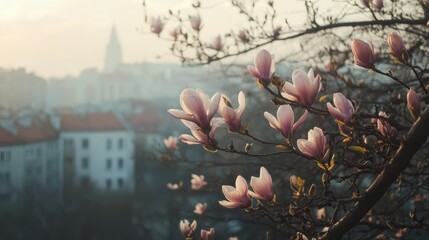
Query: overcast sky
(60, 37)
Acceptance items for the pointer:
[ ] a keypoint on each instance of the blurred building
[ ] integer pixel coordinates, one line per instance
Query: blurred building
(29, 158)
(97, 150)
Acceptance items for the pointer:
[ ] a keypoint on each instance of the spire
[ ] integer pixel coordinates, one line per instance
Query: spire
(113, 58)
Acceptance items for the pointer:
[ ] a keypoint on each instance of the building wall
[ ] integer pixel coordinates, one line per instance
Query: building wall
(30, 165)
(89, 154)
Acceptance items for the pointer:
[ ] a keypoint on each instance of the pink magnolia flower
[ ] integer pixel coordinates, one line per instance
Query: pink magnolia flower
(197, 182)
(380, 236)
(172, 186)
(315, 146)
(170, 142)
(237, 196)
(243, 37)
(413, 103)
(321, 213)
(363, 53)
(285, 121)
(197, 107)
(217, 43)
(365, 3)
(196, 22)
(156, 25)
(262, 186)
(199, 137)
(343, 110)
(396, 44)
(200, 208)
(400, 233)
(208, 235)
(384, 127)
(304, 89)
(175, 32)
(187, 228)
(378, 5)
(264, 66)
(232, 117)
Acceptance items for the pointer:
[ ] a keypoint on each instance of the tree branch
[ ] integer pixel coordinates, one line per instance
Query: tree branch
(415, 138)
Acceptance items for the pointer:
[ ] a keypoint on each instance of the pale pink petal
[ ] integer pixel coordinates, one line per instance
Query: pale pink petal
(231, 193)
(252, 71)
(228, 204)
(272, 120)
(285, 118)
(241, 185)
(263, 62)
(188, 139)
(334, 112)
(300, 121)
(306, 147)
(179, 114)
(214, 104)
(241, 104)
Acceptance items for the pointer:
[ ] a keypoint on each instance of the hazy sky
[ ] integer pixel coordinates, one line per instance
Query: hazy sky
(60, 37)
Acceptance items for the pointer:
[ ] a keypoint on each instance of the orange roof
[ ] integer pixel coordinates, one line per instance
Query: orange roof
(90, 122)
(36, 132)
(145, 122)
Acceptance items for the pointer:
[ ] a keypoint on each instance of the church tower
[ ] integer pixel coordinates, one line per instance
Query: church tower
(113, 58)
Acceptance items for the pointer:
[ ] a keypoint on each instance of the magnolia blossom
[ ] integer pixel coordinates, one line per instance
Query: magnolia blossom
(196, 23)
(300, 236)
(187, 228)
(217, 43)
(396, 45)
(285, 121)
(175, 32)
(197, 182)
(172, 186)
(208, 235)
(199, 137)
(413, 103)
(321, 213)
(237, 196)
(264, 66)
(197, 107)
(156, 25)
(365, 3)
(200, 208)
(315, 146)
(232, 117)
(383, 126)
(363, 53)
(343, 110)
(304, 89)
(378, 5)
(170, 142)
(242, 36)
(262, 186)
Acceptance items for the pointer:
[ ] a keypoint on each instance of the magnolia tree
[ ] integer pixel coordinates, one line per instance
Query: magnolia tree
(372, 166)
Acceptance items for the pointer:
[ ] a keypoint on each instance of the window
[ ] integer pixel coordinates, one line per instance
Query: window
(108, 183)
(85, 163)
(29, 171)
(4, 156)
(120, 182)
(68, 143)
(120, 163)
(4, 178)
(29, 154)
(109, 164)
(109, 144)
(120, 143)
(85, 143)
(39, 152)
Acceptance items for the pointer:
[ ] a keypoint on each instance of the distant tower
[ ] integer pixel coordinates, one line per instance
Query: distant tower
(113, 53)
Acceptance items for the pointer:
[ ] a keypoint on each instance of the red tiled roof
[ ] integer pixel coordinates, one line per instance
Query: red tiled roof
(90, 122)
(36, 132)
(145, 122)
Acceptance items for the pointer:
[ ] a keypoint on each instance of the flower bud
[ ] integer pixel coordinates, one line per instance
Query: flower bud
(413, 103)
(363, 53)
(378, 5)
(396, 45)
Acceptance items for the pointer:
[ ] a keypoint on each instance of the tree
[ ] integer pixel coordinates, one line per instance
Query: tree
(369, 151)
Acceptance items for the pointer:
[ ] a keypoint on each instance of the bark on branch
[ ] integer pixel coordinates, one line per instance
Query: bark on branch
(415, 138)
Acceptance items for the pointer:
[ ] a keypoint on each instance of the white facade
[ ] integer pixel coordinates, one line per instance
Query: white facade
(102, 159)
(33, 165)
